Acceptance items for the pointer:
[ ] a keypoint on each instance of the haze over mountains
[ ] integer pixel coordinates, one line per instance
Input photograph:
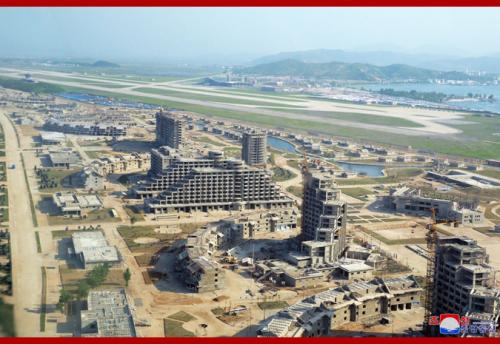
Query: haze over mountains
(489, 64)
(355, 71)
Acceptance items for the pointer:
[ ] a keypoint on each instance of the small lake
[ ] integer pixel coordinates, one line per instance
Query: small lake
(281, 144)
(369, 170)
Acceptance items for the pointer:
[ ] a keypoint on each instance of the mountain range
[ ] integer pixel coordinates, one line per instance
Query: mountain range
(488, 64)
(354, 71)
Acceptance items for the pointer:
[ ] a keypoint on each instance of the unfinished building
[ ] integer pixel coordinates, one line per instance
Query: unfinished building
(107, 314)
(169, 130)
(64, 158)
(122, 163)
(254, 149)
(412, 201)
(91, 248)
(324, 218)
(200, 271)
(362, 302)
(73, 205)
(84, 128)
(464, 281)
(205, 183)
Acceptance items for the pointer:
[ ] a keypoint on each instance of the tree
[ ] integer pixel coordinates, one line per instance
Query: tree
(83, 289)
(64, 298)
(126, 276)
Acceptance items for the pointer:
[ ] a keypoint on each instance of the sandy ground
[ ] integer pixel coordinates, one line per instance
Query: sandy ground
(430, 120)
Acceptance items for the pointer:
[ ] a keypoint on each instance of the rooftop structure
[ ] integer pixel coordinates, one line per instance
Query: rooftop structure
(64, 159)
(71, 204)
(253, 151)
(107, 315)
(91, 248)
(52, 137)
(466, 179)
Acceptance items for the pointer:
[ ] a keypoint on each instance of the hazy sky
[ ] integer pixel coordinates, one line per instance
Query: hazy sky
(170, 33)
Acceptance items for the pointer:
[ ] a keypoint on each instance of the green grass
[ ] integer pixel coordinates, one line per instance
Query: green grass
(4, 198)
(43, 304)
(21, 85)
(293, 163)
(173, 328)
(296, 191)
(232, 152)
(38, 243)
(7, 327)
(393, 176)
(182, 316)
(361, 118)
(61, 234)
(63, 179)
(272, 304)
(281, 174)
(100, 215)
(32, 204)
(475, 142)
(134, 214)
(81, 80)
(96, 154)
(212, 98)
(489, 173)
(206, 139)
(357, 192)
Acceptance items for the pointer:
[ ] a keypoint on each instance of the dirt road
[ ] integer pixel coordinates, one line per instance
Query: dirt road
(26, 262)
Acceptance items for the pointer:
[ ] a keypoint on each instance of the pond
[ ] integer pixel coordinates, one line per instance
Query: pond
(281, 144)
(368, 170)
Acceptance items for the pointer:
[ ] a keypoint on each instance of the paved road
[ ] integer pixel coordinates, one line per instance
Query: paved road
(26, 262)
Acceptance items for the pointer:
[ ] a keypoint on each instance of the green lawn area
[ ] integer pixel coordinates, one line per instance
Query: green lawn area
(272, 304)
(490, 173)
(173, 328)
(281, 174)
(293, 163)
(101, 215)
(97, 154)
(52, 180)
(232, 152)
(134, 214)
(362, 118)
(295, 190)
(206, 139)
(182, 316)
(7, 327)
(357, 192)
(212, 98)
(476, 140)
(81, 80)
(393, 176)
(4, 198)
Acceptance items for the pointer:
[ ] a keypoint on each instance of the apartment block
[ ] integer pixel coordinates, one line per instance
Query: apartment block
(464, 281)
(324, 218)
(253, 151)
(169, 129)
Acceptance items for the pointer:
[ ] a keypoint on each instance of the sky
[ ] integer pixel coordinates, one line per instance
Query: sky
(169, 34)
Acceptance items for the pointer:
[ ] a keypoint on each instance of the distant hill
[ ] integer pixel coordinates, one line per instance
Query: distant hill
(352, 71)
(489, 64)
(105, 64)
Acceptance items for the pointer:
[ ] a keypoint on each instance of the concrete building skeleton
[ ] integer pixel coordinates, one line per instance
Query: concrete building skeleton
(254, 149)
(169, 130)
(464, 281)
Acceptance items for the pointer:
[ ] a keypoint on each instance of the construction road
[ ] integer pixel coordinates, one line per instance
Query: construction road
(26, 261)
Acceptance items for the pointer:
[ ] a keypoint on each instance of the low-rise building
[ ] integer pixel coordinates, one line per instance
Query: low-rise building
(107, 314)
(73, 205)
(91, 248)
(64, 159)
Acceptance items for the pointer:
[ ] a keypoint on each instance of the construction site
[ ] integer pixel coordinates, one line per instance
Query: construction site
(184, 225)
